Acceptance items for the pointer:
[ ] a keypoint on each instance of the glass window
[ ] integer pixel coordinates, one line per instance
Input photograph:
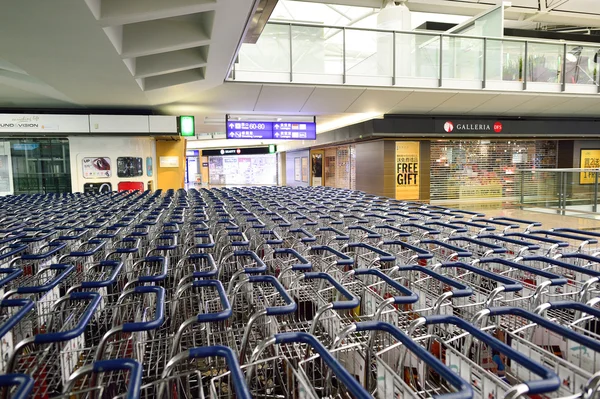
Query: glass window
(40, 165)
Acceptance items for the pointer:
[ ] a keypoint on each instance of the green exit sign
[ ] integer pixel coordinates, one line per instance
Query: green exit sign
(272, 148)
(187, 126)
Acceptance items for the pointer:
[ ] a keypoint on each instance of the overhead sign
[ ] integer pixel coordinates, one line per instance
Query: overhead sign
(187, 126)
(237, 151)
(472, 127)
(271, 130)
(407, 170)
(30, 123)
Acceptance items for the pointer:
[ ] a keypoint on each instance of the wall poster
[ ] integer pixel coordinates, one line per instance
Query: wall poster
(407, 170)
(305, 169)
(149, 166)
(130, 167)
(96, 167)
(297, 169)
(589, 159)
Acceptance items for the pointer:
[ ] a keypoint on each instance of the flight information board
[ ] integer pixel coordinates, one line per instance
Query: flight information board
(271, 130)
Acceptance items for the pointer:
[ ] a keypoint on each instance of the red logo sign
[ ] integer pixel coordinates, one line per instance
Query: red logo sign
(238, 151)
(498, 127)
(448, 126)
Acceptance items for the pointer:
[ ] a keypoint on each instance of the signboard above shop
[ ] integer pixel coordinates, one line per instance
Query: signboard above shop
(281, 130)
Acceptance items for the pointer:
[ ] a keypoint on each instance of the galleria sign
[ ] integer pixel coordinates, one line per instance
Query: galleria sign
(450, 126)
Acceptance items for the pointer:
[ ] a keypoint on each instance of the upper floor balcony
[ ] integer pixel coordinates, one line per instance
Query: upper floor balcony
(329, 55)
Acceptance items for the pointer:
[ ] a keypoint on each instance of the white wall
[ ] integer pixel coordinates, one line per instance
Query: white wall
(111, 147)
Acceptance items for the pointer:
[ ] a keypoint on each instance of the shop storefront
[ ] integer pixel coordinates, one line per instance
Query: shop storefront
(241, 166)
(455, 160)
(334, 167)
(486, 169)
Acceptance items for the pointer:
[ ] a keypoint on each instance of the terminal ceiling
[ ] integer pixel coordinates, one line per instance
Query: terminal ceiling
(173, 57)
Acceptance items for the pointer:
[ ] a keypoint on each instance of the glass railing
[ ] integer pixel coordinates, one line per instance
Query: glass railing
(566, 191)
(316, 54)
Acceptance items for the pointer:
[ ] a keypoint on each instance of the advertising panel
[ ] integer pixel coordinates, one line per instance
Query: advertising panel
(407, 170)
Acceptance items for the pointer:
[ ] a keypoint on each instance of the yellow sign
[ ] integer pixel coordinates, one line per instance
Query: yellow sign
(407, 170)
(483, 191)
(590, 159)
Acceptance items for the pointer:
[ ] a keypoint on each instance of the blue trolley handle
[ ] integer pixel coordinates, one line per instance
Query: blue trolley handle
(554, 279)
(99, 244)
(537, 238)
(14, 249)
(308, 236)
(530, 246)
(461, 290)
(578, 306)
(239, 384)
(343, 259)
(460, 252)
(56, 248)
(261, 267)
(421, 253)
(294, 253)
(64, 269)
(549, 380)
(25, 306)
(458, 229)
(159, 314)
(520, 221)
(225, 304)
(351, 302)
(587, 239)
(383, 256)
(23, 382)
(509, 284)
(463, 388)
(407, 298)
(575, 231)
(543, 322)
(289, 307)
(346, 379)
(568, 266)
(115, 267)
(496, 249)
(94, 300)
(101, 366)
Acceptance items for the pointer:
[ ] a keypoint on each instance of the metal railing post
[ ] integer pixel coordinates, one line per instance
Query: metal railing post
(393, 58)
(291, 56)
(595, 205)
(484, 74)
(525, 63)
(522, 188)
(563, 83)
(441, 71)
(344, 55)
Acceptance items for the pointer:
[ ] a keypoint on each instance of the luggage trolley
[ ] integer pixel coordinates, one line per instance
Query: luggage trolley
(582, 284)
(237, 263)
(473, 228)
(418, 231)
(32, 262)
(444, 252)
(514, 246)
(437, 293)
(447, 229)
(479, 248)
(368, 256)
(332, 237)
(548, 246)
(323, 305)
(583, 243)
(524, 225)
(407, 254)
(51, 356)
(574, 357)
(536, 379)
(362, 234)
(120, 378)
(324, 258)
(293, 374)
(391, 233)
(370, 351)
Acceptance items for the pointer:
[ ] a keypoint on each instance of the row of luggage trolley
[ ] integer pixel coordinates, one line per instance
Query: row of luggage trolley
(278, 292)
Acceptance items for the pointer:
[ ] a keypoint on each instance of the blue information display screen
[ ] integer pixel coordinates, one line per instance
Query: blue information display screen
(272, 130)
